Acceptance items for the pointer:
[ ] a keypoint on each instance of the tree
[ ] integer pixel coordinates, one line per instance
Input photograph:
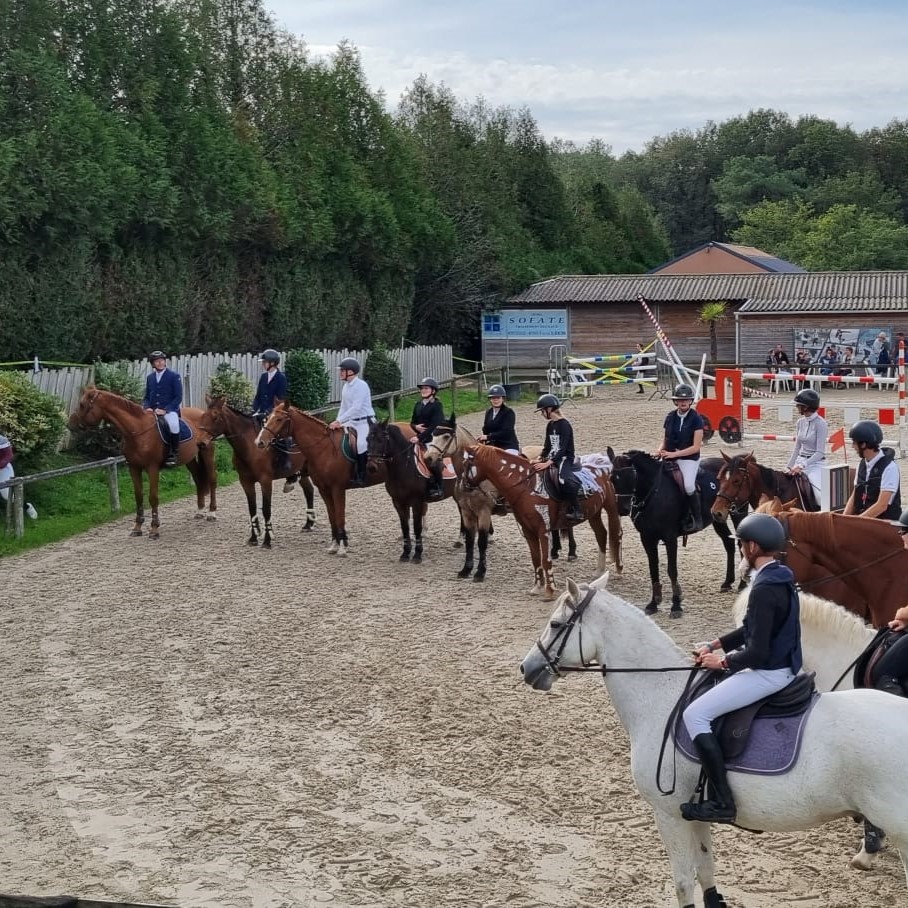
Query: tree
(747, 181)
(711, 314)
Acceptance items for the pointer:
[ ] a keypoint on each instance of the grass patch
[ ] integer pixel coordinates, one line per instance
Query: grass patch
(69, 505)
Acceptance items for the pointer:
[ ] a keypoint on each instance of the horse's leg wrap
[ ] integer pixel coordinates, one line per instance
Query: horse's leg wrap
(713, 899)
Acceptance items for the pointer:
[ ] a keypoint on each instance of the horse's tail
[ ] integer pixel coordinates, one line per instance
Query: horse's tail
(614, 524)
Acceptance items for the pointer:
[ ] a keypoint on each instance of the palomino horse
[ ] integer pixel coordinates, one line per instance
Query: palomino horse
(847, 765)
(832, 639)
(145, 451)
(252, 464)
(742, 482)
(331, 470)
(477, 502)
(538, 513)
(404, 483)
(858, 562)
(656, 504)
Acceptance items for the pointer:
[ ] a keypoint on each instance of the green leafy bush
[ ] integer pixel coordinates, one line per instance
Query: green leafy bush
(104, 440)
(382, 373)
(33, 421)
(232, 384)
(307, 379)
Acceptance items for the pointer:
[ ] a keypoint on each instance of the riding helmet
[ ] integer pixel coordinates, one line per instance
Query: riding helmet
(428, 382)
(901, 523)
(270, 356)
(156, 354)
(548, 402)
(350, 365)
(497, 391)
(868, 432)
(809, 398)
(763, 529)
(683, 392)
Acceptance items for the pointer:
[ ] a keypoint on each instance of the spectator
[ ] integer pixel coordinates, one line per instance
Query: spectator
(828, 361)
(777, 357)
(802, 359)
(883, 360)
(876, 347)
(7, 472)
(640, 360)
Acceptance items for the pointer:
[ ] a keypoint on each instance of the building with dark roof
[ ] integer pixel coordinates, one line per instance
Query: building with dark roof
(726, 258)
(601, 313)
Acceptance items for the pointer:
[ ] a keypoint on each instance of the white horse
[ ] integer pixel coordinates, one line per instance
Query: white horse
(852, 752)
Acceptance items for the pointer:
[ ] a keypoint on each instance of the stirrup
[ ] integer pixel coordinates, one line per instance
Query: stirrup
(709, 812)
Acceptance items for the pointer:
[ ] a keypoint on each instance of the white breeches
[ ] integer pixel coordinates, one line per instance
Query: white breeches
(362, 427)
(173, 422)
(814, 472)
(737, 690)
(689, 469)
(6, 473)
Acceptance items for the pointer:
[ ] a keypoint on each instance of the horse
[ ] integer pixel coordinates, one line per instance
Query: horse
(330, 468)
(858, 562)
(477, 503)
(537, 512)
(407, 486)
(742, 481)
(846, 766)
(252, 464)
(144, 451)
(832, 639)
(656, 506)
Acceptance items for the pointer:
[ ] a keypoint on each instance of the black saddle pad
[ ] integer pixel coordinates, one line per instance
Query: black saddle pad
(164, 432)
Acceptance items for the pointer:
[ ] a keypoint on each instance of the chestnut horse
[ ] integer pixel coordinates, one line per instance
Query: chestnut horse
(390, 445)
(252, 464)
(145, 451)
(538, 513)
(742, 481)
(860, 560)
(329, 467)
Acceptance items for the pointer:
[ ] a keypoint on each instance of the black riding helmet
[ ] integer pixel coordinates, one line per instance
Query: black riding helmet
(350, 365)
(548, 402)
(428, 382)
(808, 398)
(156, 354)
(270, 356)
(868, 432)
(683, 392)
(902, 522)
(763, 529)
(496, 391)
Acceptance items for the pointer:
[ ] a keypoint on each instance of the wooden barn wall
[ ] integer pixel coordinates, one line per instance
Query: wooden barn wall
(530, 354)
(760, 332)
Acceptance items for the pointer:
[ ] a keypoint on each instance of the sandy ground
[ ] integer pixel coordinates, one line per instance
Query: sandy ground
(197, 723)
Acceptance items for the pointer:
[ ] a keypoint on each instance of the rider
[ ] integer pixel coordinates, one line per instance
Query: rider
(762, 656)
(355, 412)
(7, 472)
(272, 386)
(164, 397)
(427, 414)
(876, 482)
(558, 449)
(681, 443)
(499, 422)
(810, 440)
(891, 671)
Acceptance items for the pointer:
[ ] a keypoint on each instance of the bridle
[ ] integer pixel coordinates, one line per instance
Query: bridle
(84, 411)
(736, 502)
(563, 633)
(277, 436)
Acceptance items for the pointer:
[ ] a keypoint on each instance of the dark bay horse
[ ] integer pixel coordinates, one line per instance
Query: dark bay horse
(537, 512)
(477, 502)
(656, 505)
(742, 482)
(858, 562)
(388, 444)
(330, 468)
(145, 451)
(253, 464)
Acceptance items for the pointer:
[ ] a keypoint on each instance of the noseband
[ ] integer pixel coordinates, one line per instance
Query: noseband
(562, 636)
(737, 501)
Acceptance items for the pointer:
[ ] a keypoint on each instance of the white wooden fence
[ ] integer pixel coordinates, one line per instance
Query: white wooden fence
(415, 364)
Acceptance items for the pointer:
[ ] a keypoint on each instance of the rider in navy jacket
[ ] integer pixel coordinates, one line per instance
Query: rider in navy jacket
(164, 397)
(272, 386)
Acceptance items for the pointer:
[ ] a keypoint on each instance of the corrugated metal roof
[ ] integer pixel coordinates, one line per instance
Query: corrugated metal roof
(819, 291)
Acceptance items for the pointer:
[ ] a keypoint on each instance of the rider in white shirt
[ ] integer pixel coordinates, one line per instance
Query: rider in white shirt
(809, 452)
(355, 412)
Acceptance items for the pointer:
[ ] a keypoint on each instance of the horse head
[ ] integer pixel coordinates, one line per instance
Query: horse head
(88, 412)
(736, 484)
(447, 440)
(213, 421)
(624, 480)
(277, 425)
(379, 445)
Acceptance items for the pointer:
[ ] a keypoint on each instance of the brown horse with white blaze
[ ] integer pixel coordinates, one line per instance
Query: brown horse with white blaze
(144, 451)
(254, 465)
(538, 513)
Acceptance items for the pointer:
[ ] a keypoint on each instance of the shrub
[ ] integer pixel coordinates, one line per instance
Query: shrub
(232, 384)
(307, 379)
(382, 373)
(33, 421)
(104, 440)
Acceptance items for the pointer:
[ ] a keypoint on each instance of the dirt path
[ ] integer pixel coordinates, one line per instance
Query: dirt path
(197, 723)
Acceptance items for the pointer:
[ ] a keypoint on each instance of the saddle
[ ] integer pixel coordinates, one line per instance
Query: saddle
(164, 432)
(423, 468)
(549, 482)
(734, 728)
(865, 667)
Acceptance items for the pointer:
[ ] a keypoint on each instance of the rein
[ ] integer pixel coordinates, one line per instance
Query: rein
(136, 434)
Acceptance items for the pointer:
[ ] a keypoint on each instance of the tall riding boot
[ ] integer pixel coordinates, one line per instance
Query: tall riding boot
(172, 457)
(720, 808)
(436, 483)
(694, 519)
(574, 510)
(890, 685)
(282, 461)
(362, 461)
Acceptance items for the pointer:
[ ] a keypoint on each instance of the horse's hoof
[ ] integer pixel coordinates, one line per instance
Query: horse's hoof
(572, 557)
(266, 544)
(676, 612)
(342, 552)
(211, 518)
(554, 556)
(478, 578)
(332, 549)
(651, 608)
(199, 515)
(548, 596)
(463, 573)
(862, 860)
(252, 542)
(405, 556)
(136, 533)
(725, 588)
(458, 544)
(154, 536)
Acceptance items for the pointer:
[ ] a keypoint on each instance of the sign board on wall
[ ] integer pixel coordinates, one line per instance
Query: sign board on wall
(845, 346)
(515, 324)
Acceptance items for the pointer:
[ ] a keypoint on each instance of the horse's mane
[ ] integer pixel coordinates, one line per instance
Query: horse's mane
(832, 531)
(132, 406)
(237, 411)
(819, 528)
(306, 415)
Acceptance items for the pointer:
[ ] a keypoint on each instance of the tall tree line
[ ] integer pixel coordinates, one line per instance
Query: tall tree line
(181, 174)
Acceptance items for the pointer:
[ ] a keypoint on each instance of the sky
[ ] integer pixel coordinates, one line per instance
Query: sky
(625, 72)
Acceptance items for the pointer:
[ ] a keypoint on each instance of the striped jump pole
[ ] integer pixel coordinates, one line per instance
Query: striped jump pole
(678, 367)
(903, 436)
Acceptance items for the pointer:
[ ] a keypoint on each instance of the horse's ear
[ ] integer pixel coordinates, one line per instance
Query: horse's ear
(601, 582)
(453, 420)
(725, 457)
(573, 590)
(789, 505)
(281, 405)
(209, 400)
(610, 452)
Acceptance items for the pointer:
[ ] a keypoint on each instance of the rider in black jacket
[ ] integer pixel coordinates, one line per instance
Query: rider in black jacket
(427, 414)
(498, 426)
(558, 449)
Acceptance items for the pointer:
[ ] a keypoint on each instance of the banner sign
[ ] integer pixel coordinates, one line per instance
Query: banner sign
(521, 324)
